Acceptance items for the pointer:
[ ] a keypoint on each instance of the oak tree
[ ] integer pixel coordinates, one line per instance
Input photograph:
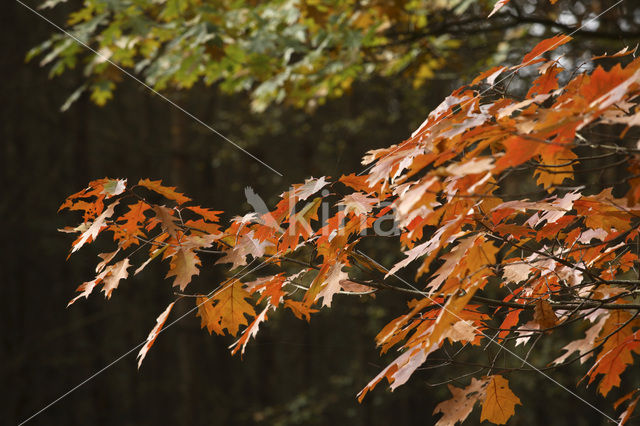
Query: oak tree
(488, 266)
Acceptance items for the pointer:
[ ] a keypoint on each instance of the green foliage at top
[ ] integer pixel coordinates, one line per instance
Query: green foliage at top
(301, 52)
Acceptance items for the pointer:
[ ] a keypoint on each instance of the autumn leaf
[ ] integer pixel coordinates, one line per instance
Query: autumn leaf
(208, 315)
(300, 225)
(499, 403)
(331, 283)
(226, 309)
(249, 332)
(310, 187)
(458, 408)
(94, 228)
(115, 273)
(233, 308)
(155, 253)
(207, 214)
(544, 315)
(626, 414)
(545, 46)
(98, 189)
(128, 228)
(162, 318)
(166, 191)
(516, 272)
(499, 4)
(113, 187)
(460, 197)
(270, 288)
(358, 204)
(582, 346)
(353, 287)
(184, 265)
(624, 52)
(489, 75)
(299, 309)
(86, 288)
(165, 217)
(613, 362)
(546, 82)
(244, 246)
(518, 150)
(359, 183)
(106, 258)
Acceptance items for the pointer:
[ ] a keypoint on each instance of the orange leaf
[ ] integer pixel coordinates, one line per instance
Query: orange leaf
(129, 229)
(299, 309)
(226, 309)
(210, 215)
(168, 192)
(499, 404)
(208, 316)
(547, 82)
(359, 183)
(613, 363)
(624, 417)
(490, 75)
(545, 46)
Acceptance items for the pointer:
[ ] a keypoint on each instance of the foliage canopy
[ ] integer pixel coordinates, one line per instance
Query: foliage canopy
(299, 52)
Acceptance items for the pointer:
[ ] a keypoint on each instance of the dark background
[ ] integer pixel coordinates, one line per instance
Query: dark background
(296, 372)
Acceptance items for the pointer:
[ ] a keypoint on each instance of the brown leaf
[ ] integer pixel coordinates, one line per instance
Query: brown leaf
(352, 287)
(332, 283)
(184, 265)
(458, 408)
(167, 220)
(115, 273)
(544, 315)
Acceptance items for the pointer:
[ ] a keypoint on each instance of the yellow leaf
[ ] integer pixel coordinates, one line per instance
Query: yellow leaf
(225, 309)
(499, 404)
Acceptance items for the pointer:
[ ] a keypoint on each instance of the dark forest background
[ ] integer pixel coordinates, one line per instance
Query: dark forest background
(295, 373)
